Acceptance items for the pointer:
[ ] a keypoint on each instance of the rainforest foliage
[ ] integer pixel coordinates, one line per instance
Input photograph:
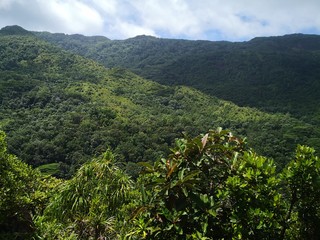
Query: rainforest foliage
(212, 186)
(61, 109)
(95, 151)
(274, 74)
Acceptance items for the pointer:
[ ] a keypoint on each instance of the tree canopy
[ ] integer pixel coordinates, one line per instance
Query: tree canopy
(61, 109)
(93, 152)
(212, 186)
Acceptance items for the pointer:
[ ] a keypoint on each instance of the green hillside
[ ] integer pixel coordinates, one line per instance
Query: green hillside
(132, 156)
(274, 74)
(58, 107)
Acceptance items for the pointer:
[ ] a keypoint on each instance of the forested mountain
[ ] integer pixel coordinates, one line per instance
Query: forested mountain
(130, 155)
(274, 74)
(58, 107)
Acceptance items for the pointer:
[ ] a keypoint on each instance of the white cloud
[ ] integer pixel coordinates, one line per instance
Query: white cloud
(272, 17)
(174, 17)
(192, 19)
(70, 16)
(128, 30)
(73, 16)
(5, 4)
(109, 7)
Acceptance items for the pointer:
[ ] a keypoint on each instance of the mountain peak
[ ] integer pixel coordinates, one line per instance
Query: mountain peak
(14, 30)
(290, 41)
(142, 37)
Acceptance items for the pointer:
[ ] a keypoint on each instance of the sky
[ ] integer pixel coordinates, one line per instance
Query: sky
(230, 20)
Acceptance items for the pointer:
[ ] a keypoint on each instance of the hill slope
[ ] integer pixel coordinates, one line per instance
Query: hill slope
(275, 74)
(60, 107)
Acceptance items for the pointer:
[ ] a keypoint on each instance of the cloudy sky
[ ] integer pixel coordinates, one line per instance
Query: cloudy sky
(232, 20)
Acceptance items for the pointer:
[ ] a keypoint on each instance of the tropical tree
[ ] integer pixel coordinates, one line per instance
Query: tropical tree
(210, 187)
(302, 181)
(88, 206)
(19, 185)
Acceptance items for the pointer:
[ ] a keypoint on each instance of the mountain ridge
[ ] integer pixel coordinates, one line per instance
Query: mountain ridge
(14, 30)
(57, 106)
(274, 74)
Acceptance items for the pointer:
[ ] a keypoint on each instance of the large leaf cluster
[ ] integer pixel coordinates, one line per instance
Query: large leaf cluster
(210, 187)
(214, 187)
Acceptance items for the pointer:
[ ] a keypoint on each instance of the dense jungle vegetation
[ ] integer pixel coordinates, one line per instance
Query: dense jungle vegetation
(95, 151)
(274, 74)
(210, 187)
